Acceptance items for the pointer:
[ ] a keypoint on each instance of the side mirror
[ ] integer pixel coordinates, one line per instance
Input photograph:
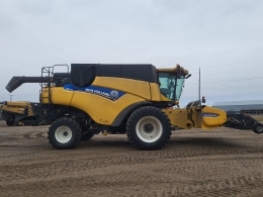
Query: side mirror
(203, 99)
(187, 76)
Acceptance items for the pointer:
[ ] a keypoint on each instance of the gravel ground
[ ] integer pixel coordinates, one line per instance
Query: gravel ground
(220, 162)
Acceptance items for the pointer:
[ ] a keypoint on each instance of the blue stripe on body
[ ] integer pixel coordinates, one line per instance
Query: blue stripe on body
(101, 91)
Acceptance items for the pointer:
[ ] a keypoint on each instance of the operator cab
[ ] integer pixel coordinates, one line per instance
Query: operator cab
(171, 82)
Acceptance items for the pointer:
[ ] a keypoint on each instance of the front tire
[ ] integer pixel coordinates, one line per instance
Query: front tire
(148, 128)
(64, 133)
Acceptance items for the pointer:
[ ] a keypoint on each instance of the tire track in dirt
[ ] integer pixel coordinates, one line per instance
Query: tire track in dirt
(109, 166)
(35, 135)
(13, 172)
(224, 187)
(64, 167)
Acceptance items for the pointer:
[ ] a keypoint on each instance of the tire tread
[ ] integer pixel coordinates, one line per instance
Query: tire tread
(132, 119)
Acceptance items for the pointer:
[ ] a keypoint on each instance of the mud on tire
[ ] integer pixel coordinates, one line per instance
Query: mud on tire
(64, 133)
(148, 128)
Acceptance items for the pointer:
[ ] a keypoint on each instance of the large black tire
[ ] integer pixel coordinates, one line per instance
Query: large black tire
(10, 122)
(86, 136)
(64, 133)
(258, 128)
(148, 128)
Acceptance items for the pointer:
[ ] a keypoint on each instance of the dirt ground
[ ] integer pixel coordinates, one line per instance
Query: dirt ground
(221, 162)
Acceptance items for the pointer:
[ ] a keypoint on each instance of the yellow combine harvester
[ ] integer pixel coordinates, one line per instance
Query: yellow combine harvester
(136, 99)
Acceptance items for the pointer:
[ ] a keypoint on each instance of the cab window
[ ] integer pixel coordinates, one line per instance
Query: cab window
(167, 82)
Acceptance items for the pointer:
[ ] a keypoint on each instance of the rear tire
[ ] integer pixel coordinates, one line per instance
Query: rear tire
(148, 128)
(64, 133)
(258, 129)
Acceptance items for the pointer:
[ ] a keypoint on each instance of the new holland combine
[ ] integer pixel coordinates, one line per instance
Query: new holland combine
(136, 99)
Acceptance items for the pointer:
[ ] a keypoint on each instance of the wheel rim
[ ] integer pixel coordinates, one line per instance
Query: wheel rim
(63, 134)
(149, 129)
(259, 128)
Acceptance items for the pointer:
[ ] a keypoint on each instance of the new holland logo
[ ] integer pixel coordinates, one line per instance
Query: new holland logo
(101, 91)
(114, 95)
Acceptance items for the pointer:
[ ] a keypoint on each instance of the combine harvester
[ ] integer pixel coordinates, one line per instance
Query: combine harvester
(136, 99)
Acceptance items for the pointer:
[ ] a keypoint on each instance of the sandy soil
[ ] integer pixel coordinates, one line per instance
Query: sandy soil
(221, 162)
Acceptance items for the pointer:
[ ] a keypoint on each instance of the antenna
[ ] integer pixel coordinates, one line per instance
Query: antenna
(199, 95)
(199, 85)
(11, 95)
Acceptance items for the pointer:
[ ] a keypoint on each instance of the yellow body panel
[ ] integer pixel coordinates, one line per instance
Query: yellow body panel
(58, 96)
(103, 110)
(44, 96)
(155, 89)
(179, 118)
(61, 96)
(135, 87)
(163, 98)
(100, 109)
(187, 118)
(213, 117)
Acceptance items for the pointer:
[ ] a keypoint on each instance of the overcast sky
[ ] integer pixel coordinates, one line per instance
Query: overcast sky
(224, 38)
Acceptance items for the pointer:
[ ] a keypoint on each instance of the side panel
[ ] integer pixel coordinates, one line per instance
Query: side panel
(163, 98)
(135, 87)
(59, 96)
(102, 110)
(155, 91)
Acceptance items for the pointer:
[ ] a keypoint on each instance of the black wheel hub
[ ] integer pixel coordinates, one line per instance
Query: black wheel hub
(148, 128)
(65, 133)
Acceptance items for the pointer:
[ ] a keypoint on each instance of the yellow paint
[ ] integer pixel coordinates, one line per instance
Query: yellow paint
(58, 96)
(100, 109)
(163, 98)
(15, 107)
(210, 122)
(155, 90)
(135, 87)
(174, 69)
(191, 117)
(178, 117)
